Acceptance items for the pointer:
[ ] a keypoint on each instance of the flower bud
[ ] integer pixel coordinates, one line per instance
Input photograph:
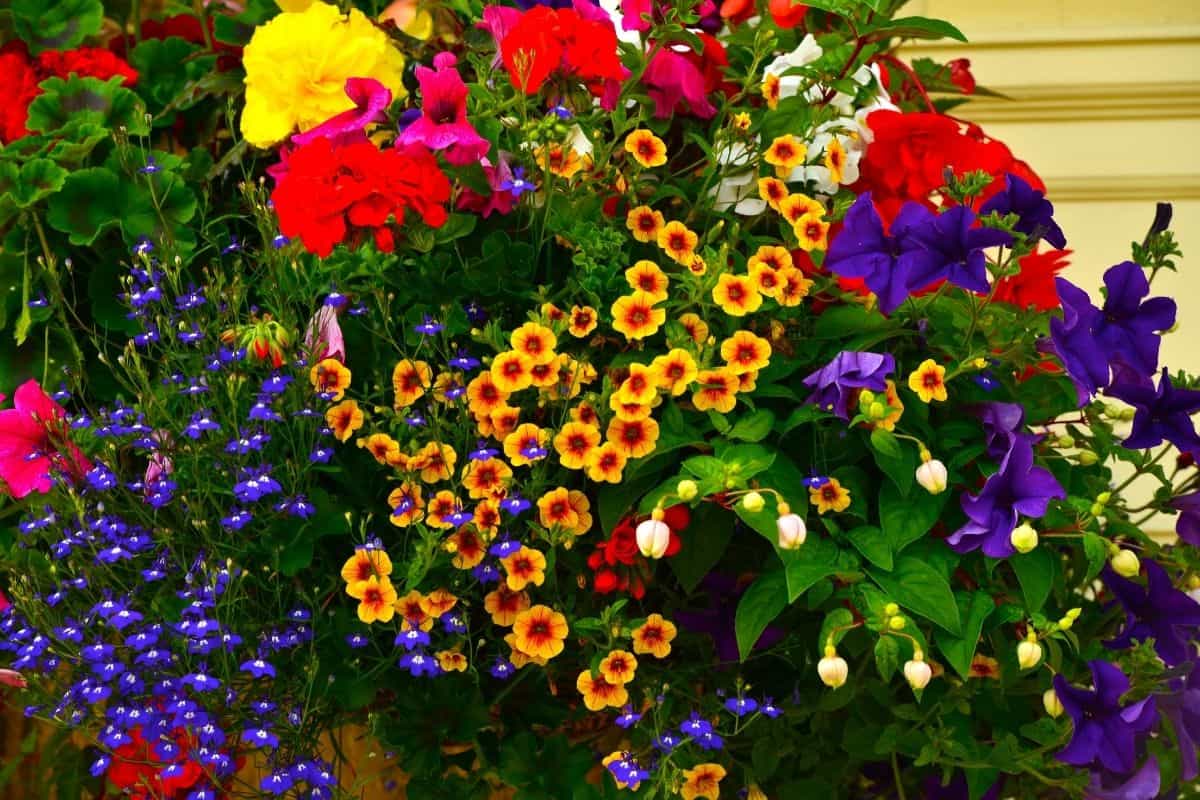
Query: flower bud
(1103, 498)
(917, 672)
(1066, 440)
(932, 476)
(1052, 704)
(687, 490)
(1065, 623)
(1096, 510)
(865, 398)
(1073, 613)
(1024, 538)
(1086, 457)
(11, 678)
(1127, 414)
(833, 669)
(653, 536)
(876, 410)
(897, 623)
(1029, 653)
(753, 502)
(791, 528)
(1126, 564)
(891, 609)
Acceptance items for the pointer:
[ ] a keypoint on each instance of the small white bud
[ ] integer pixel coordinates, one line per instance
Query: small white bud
(1029, 653)
(917, 673)
(792, 530)
(1024, 538)
(753, 502)
(932, 476)
(653, 536)
(1052, 704)
(833, 669)
(1126, 563)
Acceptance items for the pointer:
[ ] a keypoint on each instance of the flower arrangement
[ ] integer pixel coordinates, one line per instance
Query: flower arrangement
(589, 399)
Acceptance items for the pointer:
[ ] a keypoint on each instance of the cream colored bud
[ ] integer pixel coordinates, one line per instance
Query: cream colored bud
(753, 502)
(1024, 538)
(932, 476)
(1052, 704)
(1029, 654)
(917, 673)
(897, 623)
(833, 670)
(687, 490)
(653, 537)
(792, 530)
(1126, 563)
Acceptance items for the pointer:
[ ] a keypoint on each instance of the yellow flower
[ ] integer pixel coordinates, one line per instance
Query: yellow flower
(485, 478)
(629, 411)
(674, 371)
(644, 223)
(654, 636)
(773, 257)
(812, 233)
(634, 438)
(512, 371)
(640, 387)
(716, 389)
(736, 295)
(297, 65)
(524, 567)
(830, 496)
(582, 506)
(555, 509)
(635, 315)
(540, 632)
(646, 148)
(745, 352)
(562, 161)
(407, 495)
(741, 121)
(605, 463)
(770, 90)
(505, 605)
(795, 206)
(484, 396)
(438, 602)
(535, 341)
(412, 612)
(678, 242)
(410, 379)
(618, 667)
(575, 443)
(521, 441)
(795, 287)
(344, 418)
(598, 693)
(451, 661)
(704, 780)
(895, 408)
(618, 756)
(441, 506)
(382, 447)
(583, 321)
(785, 154)
(773, 190)
(768, 281)
(835, 160)
(928, 381)
(330, 376)
(646, 276)
(697, 329)
(377, 601)
(364, 564)
(437, 462)
(468, 550)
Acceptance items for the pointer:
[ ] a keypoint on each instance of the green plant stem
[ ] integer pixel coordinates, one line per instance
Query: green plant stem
(896, 775)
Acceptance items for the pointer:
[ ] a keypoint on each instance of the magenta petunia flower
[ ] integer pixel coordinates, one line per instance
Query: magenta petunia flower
(31, 434)
(443, 124)
(672, 77)
(371, 98)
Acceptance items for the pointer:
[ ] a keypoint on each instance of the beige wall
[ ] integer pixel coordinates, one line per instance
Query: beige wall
(1106, 107)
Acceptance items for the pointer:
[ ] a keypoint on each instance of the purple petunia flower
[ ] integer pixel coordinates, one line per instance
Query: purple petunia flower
(1162, 413)
(1188, 524)
(1035, 212)
(1142, 785)
(1018, 487)
(1157, 611)
(883, 260)
(832, 383)
(949, 247)
(1106, 733)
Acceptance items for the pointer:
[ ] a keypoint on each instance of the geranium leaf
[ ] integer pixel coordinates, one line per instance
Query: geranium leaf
(58, 25)
(76, 99)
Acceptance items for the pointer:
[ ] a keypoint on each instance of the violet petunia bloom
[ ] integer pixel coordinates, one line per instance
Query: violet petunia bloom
(1156, 611)
(371, 99)
(1004, 426)
(832, 384)
(443, 124)
(718, 620)
(882, 259)
(1182, 708)
(956, 789)
(950, 247)
(1162, 413)
(1106, 733)
(1018, 488)
(1142, 785)
(1036, 213)
(1188, 525)
(1124, 332)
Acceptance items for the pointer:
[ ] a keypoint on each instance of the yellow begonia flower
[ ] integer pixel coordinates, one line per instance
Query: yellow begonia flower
(297, 65)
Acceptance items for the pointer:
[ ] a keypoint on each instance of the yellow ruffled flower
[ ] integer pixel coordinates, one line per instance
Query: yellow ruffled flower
(297, 65)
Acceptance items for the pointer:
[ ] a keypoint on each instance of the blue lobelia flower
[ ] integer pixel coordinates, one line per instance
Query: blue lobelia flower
(1162, 413)
(882, 260)
(1017, 488)
(1106, 733)
(1156, 611)
(1035, 212)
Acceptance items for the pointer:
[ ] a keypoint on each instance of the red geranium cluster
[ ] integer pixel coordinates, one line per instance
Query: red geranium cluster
(333, 193)
(619, 566)
(910, 153)
(22, 74)
(137, 769)
(545, 41)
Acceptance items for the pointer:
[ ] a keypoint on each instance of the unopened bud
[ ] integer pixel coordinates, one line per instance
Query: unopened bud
(897, 623)
(653, 537)
(753, 502)
(891, 609)
(917, 673)
(932, 476)
(687, 490)
(791, 528)
(1086, 457)
(833, 669)
(1052, 704)
(1029, 654)
(1126, 563)
(1024, 538)
(1066, 440)
(1103, 498)
(1127, 414)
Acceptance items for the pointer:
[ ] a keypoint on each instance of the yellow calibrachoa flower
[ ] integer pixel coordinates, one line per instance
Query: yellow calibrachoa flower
(640, 387)
(365, 563)
(605, 463)
(646, 148)
(376, 603)
(629, 411)
(518, 658)
(835, 160)
(736, 295)
(702, 781)
(438, 602)
(522, 440)
(297, 65)
(565, 162)
(618, 667)
(583, 321)
(635, 315)
(770, 90)
(575, 442)
(331, 377)
(716, 389)
(451, 661)
(830, 496)
(678, 242)
(648, 277)
(344, 418)
(524, 567)
(382, 448)
(812, 232)
(483, 395)
(745, 352)
(674, 371)
(634, 438)
(410, 379)
(928, 381)
(767, 280)
(619, 755)
(441, 506)
(540, 632)
(511, 371)
(437, 462)
(407, 495)
(795, 206)
(654, 636)
(583, 507)
(697, 329)
(505, 605)
(895, 408)
(773, 190)
(599, 693)
(795, 287)
(555, 509)
(535, 341)
(785, 154)
(485, 478)
(772, 256)
(644, 223)
(467, 548)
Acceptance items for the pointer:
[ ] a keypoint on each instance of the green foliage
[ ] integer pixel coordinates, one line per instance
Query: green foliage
(58, 25)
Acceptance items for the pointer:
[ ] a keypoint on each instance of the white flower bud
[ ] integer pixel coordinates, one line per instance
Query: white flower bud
(833, 669)
(653, 536)
(791, 527)
(1126, 564)
(753, 502)
(1024, 538)
(917, 673)
(687, 490)
(1052, 704)
(1029, 653)
(932, 476)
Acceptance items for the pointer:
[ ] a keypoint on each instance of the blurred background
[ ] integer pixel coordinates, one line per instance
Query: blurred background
(1104, 103)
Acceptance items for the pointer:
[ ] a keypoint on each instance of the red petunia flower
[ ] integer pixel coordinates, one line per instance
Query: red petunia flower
(330, 194)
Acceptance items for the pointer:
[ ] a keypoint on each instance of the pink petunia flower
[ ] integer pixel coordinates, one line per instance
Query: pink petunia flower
(672, 77)
(34, 443)
(13, 679)
(323, 336)
(443, 123)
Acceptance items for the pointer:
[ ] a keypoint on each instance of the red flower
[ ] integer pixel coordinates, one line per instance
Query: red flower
(330, 192)
(136, 769)
(622, 547)
(606, 581)
(93, 62)
(786, 13)
(1034, 285)
(21, 86)
(545, 41)
(960, 75)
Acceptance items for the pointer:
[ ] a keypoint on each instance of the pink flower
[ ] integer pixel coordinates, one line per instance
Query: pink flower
(323, 337)
(4, 604)
(674, 77)
(14, 679)
(371, 98)
(500, 201)
(636, 14)
(443, 123)
(33, 435)
(498, 21)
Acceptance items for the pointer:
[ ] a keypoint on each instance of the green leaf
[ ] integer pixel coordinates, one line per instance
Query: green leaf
(897, 463)
(905, 520)
(817, 559)
(763, 601)
(79, 100)
(753, 427)
(706, 468)
(839, 620)
(1035, 572)
(920, 588)
(56, 24)
(887, 656)
(746, 460)
(802, 416)
(164, 68)
(974, 609)
(87, 205)
(874, 546)
(705, 541)
(917, 28)
(32, 181)
(1096, 550)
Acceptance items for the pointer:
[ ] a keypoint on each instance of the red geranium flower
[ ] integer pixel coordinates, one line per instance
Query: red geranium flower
(545, 41)
(137, 768)
(1034, 285)
(332, 192)
(92, 62)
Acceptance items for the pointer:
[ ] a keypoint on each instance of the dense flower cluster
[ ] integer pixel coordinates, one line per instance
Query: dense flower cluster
(632, 399)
